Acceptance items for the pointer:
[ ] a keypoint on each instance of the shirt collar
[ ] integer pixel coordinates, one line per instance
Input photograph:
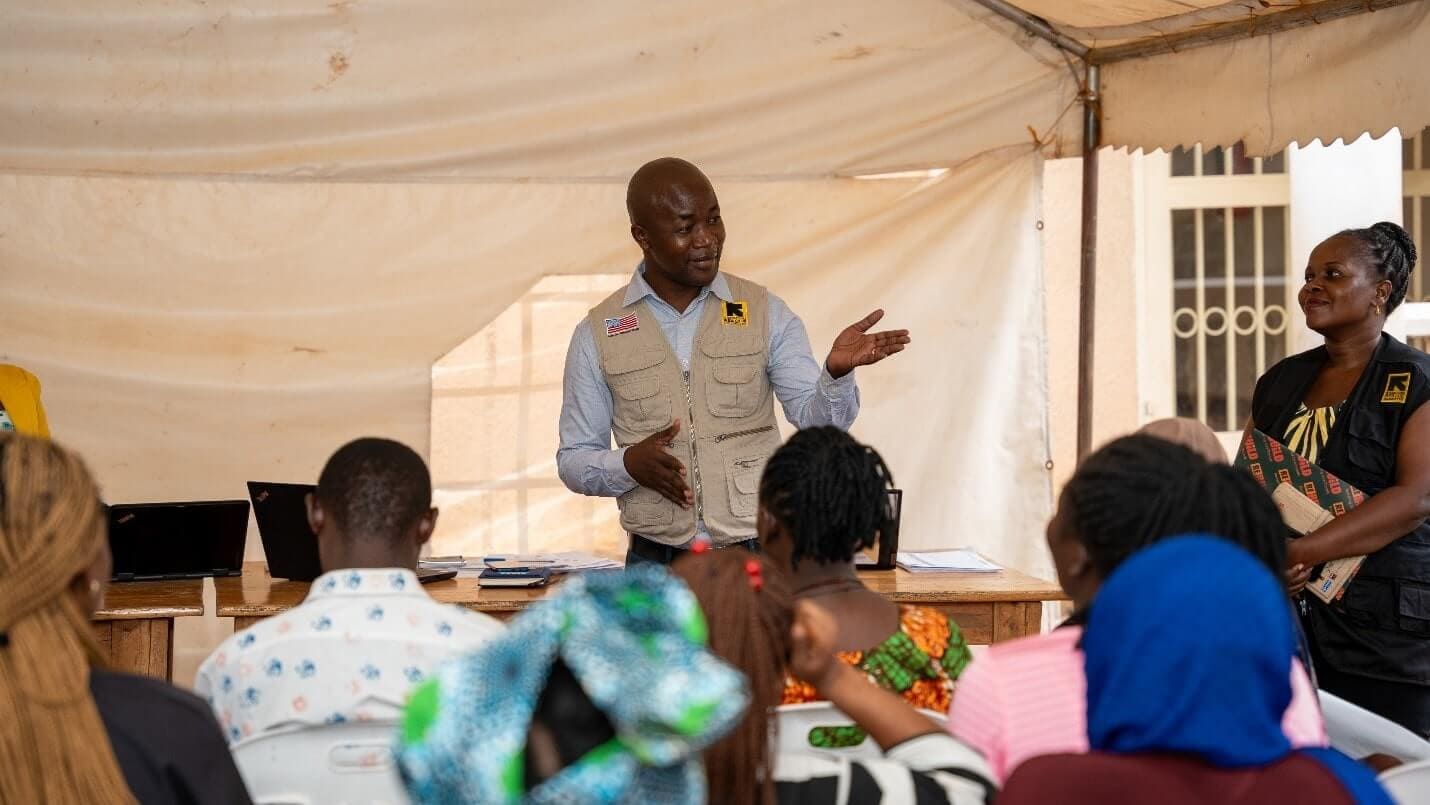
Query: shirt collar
(366, 582)
(640, 289)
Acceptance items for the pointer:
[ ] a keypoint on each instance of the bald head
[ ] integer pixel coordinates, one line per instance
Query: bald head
(654, 181)
(675, 218)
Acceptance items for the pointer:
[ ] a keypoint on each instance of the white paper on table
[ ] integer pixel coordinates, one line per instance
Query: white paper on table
(957, 560)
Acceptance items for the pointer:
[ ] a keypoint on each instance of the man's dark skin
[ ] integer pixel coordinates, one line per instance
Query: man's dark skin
(675, 219)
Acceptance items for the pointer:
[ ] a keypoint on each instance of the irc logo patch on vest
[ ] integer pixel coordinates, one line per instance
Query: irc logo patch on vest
(624, 324)
(1397, 388)
(737, 314)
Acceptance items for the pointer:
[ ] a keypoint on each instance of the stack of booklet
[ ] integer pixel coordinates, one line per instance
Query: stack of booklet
(1308, 497)
(957, 560)
(551, 563)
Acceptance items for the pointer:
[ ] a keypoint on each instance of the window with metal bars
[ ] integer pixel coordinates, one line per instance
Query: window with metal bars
(1230, 286)
(496, 399)
(1415, 191)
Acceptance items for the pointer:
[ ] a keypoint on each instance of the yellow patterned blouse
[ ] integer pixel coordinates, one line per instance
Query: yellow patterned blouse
(1309, 430)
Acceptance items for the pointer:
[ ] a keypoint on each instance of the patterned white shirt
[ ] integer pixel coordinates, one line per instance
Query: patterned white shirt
(350, 652)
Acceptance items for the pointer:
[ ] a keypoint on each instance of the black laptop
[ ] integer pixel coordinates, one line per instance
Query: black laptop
(177, 540)
(288, 541)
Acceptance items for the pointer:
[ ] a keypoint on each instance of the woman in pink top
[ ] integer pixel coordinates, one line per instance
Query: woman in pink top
(1027, 697)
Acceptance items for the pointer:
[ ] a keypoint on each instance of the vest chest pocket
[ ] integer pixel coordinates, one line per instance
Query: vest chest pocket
(736, 383)
(1368, 446)
(636, 393)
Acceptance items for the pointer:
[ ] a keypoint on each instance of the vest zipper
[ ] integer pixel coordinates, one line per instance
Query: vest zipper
(694, 450)
(722, 437)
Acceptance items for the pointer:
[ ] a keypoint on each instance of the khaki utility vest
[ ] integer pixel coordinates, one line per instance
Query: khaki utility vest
(725, 406)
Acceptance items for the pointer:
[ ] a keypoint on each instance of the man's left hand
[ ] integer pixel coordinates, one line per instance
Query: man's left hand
(856, 346)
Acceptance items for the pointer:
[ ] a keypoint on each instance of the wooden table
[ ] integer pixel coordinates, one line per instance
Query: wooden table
(136, 626)
(988, 607)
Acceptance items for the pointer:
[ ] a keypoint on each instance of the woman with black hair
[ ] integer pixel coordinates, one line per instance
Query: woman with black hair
(823, 498)
(1026, 698)
(1356, 407)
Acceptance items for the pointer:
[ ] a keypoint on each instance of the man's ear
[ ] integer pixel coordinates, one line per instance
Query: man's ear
(316, 516)
(426, 525)
(639, 235)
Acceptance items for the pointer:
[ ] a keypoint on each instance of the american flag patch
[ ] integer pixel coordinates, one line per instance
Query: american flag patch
(625, 324)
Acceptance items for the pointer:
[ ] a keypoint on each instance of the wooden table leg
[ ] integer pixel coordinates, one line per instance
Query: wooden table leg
(138, 646)
(1015, 619)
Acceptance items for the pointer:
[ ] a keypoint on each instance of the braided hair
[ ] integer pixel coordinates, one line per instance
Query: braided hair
(1391, 252)
(1140, 489)
(830, 492)
(749, 628)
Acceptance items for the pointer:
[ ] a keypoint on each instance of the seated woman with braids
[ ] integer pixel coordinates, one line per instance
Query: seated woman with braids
(71, 732)
(823, 498)
(1027, 698)
(757, 626)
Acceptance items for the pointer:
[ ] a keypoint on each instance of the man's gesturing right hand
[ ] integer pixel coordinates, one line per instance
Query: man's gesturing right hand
(653, 468)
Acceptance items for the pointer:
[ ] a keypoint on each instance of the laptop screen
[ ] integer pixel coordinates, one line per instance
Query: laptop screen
(177, 540)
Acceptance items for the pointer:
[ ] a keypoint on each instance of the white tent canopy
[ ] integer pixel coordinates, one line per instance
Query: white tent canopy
(507, 89)
(234, 234)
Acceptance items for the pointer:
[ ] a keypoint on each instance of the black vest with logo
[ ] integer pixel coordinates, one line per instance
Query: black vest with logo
(1381, 626)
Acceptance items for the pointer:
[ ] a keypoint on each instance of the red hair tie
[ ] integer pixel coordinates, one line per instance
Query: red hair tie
(700, 546)
(757, 578)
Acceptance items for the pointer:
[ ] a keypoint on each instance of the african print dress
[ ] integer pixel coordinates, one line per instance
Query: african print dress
(919, 662)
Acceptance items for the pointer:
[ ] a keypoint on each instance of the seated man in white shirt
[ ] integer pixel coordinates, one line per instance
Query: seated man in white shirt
(367, 632)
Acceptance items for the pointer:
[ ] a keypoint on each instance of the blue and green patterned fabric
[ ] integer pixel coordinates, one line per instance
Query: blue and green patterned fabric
(636, 641)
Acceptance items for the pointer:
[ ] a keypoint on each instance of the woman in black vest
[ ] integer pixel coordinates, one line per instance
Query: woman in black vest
(1356, 408)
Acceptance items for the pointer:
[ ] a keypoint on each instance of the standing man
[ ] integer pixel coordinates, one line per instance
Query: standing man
(686, 382)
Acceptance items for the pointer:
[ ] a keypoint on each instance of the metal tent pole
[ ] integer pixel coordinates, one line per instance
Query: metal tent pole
(1087, 291)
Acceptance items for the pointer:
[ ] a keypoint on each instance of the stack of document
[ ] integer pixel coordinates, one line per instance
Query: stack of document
(958, 560)
(555, 563)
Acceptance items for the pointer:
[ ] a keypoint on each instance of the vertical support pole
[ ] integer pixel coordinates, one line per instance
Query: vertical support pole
(1087, 293)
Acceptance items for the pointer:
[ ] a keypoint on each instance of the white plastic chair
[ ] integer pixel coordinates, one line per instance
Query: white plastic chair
(1409, 784)
(1358, 732)
(335, 764)
(797, 720)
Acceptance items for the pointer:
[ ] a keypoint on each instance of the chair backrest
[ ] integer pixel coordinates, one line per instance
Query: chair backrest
(1358, 732)
(1409, 784)
(334, 764)
(797, 722)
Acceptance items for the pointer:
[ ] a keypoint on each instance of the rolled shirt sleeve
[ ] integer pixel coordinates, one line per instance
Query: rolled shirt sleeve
(585, 461)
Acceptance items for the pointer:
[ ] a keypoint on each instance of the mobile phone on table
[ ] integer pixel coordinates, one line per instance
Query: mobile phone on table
(427, 575)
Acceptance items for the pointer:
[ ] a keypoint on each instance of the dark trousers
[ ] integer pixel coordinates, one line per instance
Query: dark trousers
(1405, 703)
(645, 551)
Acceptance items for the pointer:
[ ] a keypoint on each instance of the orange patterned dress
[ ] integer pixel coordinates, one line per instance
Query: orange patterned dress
(919, 662)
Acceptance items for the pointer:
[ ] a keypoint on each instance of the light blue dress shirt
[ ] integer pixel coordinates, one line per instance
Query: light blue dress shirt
(585, 460)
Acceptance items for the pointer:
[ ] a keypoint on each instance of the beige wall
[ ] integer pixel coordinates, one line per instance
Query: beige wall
(1115, 395)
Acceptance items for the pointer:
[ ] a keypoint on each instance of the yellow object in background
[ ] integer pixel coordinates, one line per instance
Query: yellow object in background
(20, 397)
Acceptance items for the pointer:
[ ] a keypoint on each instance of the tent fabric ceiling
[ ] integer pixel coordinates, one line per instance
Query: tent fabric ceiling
(508, 89)
(1100, 23)
(371, 90)
(1327, 82)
